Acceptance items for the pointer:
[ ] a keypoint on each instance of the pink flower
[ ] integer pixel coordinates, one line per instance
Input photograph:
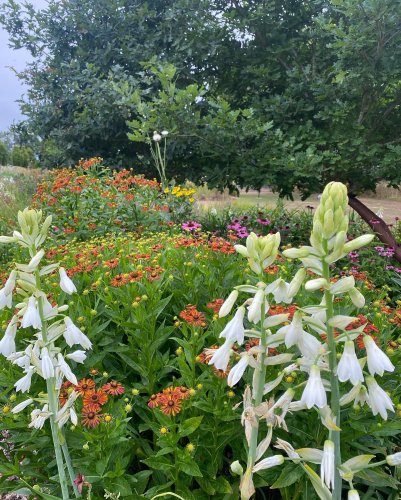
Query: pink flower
(191, 225)
(264, 222)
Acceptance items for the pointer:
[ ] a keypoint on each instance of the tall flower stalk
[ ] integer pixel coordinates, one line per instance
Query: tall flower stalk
(46, 331)
(308, 344)
(159, 154)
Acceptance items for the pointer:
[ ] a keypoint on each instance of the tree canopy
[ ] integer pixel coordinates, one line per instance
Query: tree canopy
(288, 93)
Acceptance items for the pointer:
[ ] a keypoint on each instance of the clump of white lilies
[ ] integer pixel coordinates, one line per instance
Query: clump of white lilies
(44, 330)
(311, 343)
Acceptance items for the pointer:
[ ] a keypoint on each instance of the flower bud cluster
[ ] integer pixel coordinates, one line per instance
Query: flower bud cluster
(44, 324)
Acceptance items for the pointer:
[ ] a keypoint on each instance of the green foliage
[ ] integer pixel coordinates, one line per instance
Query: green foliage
(284, 93)
(4, 154)
(22, 156)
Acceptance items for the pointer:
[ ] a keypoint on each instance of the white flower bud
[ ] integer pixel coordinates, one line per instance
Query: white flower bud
(228, 304)
(356, 297)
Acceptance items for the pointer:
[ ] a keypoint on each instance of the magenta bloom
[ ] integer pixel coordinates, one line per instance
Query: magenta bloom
(191, 225)
(264, 222)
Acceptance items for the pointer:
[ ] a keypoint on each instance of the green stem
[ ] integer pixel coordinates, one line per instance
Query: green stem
(53, 405)
(70, 468)
(258, 393)
(335, 390)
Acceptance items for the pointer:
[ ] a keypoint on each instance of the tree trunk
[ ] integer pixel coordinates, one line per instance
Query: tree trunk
(377, 224)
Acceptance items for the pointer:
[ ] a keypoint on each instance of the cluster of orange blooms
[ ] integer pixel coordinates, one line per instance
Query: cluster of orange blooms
(93, 399)
(170, 399)
(193, 317)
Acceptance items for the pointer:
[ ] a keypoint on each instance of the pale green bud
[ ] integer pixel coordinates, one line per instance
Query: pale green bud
(316, 284)
(242, 250)
(343, 285)
(251, 245)
(356, 297)
(236, 468)
(296, 282)
(296, 253)
(357, 243)
(328, 224)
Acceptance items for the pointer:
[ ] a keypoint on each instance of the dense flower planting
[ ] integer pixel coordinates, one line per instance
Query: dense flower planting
(153, 415)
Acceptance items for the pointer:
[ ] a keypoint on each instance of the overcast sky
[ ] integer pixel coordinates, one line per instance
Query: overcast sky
(11, 88)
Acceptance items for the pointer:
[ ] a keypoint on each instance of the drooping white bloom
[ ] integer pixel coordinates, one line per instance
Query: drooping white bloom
(21, 406)
(348, 367)
(39, 417)
(156, 136)
(7, 343)
(353, 495)
(228, 304)
(314, 392)
(10, 283)
(73, 335)
(66, 369)
(358, 394)
(280, 290)
(292, 331)
(378, 362)
(221, 357)
(394, 459)
(238, 370)
(255, 309)
(24, 383)
(316, 284)
(327, 466)
(268, 463)
(308, 345)
(312, 455)
(5, 300)
(77, 356)
(31, 316)
(379, 401)
(67, 411)
(356, 297)
(342, 285)
(46, 364)
(66, 283)
(234, 329)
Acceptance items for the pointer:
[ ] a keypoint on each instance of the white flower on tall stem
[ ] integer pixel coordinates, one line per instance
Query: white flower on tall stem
(379, 401)
(228, 304)
(308, 345)
(73, 335)
(378, 362)
(314, 392)
(280, 290)
(7, 343)
(254, 310)
(31, 315)
(358, 395)
(268, 463)
(46, 364)
(77, 356)
(21, 406)
(238, 370)
(39, 417)
(234, 329)
(353, 495)
(292, 331)
(327, 466)
(24, 383)
(66, 370)
(66, 283)
(221, 356)
(348, 367)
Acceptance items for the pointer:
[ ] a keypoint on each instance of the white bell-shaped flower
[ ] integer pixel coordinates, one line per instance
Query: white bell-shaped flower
(31, 315)
(66, 370)
(66, 283)
(46, 364)
(327, 467)
(314, 393)
(379, 401)
(221, 357)
(234, 329)
(348, 367)
(378, 362)
(24, 383)
(7, 343)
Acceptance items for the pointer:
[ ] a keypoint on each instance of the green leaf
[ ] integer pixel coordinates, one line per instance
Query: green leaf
(190, 468)
(289, 475)
(189, 426)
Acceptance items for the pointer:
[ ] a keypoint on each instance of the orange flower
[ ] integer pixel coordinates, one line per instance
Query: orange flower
(119, 280)
(84, 386)
(111, 264)
(170, 404)
(192, 316)
(95, 397)
(90, 416)
(215, 305)
(154, 401)
(114, 388)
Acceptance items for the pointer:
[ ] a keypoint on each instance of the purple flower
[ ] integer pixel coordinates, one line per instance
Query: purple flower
(374, 221)
(264, 222)
(191, 225)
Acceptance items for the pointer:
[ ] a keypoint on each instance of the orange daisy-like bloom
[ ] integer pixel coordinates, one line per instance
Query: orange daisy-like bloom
(111, 264)
(183, 392)
(84, 386)
(96, 397)
(215, 305)
(193, 317)
(93, 372)
(114, 388)
(135, 276)
(119, 280)
(154, 401)
(90, 416)
(222, 373)
(63, 396)
(170, 404)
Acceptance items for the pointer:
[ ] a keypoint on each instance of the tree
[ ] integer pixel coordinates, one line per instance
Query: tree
(282, 92)
(22, 156)
(3, 154)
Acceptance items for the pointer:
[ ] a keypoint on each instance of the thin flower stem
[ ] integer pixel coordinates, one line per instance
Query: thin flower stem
(70, 468)
(53, 405)
(335, 390)
(257, 391)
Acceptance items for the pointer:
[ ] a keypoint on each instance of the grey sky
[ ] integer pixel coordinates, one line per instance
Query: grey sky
(11, 88)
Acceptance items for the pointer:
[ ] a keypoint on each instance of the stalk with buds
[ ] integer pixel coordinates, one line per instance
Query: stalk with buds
(309, 344)
(47, 333)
